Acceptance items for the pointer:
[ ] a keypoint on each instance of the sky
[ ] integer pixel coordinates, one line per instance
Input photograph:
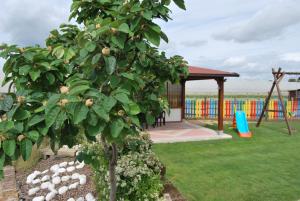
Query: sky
(247, 37)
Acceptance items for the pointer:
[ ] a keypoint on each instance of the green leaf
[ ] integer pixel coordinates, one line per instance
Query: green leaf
(134, 109)
(78, 90)
(108, 103)
(180, 4)
(135, 120)
(141, 46)
(124, 28)
(119, 40)
(58, 52)
(26, 148)
(110, 64)
(43, 130)
(95, 130)
(96, 58)
(92, 118)
(29, 55)
(22, 114)
(164, 37)
(122, 97)
(153, 37)
(80, 113)
(35, 120)
(33, 135)
(24, 70)
(51, 116)
(2, 159)
(147, 14)
(100, 111)
(6, 125)
(9, 147)
(129, 76)
(6, 103)
(51, 78)
(90, 46)
(70, 53)
(116, 127)
(35, 74)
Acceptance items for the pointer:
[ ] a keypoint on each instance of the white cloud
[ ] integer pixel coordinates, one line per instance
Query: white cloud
(292, 56)
(28, 22)
(239, 62)
(267, 23)
(193, 43)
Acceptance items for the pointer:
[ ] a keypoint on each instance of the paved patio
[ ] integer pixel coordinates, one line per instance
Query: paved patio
(184, 132)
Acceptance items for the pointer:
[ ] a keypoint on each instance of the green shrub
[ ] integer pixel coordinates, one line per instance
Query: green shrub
(138, 170)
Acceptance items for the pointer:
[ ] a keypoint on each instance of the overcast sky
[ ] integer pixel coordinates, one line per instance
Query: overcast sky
(247, 37)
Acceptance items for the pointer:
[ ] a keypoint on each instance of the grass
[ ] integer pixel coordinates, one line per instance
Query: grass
(263, 168)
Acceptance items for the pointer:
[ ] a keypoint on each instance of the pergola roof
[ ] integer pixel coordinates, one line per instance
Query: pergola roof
(199, 73)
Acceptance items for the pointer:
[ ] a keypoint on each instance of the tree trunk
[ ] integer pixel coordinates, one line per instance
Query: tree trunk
(112, 173)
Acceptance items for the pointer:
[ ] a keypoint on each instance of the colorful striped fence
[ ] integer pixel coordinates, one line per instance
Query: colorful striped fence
(207, 108)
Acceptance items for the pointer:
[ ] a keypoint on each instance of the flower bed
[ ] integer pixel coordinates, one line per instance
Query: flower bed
(61, 171)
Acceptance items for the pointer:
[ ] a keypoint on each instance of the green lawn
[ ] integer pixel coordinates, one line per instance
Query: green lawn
(263, 168)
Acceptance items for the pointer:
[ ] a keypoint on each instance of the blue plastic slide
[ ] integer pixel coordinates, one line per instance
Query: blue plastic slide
(242, 124)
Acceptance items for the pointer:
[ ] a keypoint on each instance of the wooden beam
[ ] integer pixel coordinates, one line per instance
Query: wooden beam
(183, 99)
(268, 97)
(220, 82)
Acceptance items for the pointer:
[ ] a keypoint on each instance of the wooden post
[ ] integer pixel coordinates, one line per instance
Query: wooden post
(182, 99)
(220, 104)
(278, 76)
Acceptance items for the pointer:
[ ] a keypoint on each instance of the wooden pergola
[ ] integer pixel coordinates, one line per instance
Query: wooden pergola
(199, 73)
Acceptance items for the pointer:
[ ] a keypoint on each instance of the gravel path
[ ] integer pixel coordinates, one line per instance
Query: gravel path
(80, 191)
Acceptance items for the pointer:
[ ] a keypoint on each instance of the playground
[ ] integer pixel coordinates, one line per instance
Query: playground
(264, 167)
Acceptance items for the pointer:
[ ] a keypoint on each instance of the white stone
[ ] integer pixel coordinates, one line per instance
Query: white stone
(62, 190)
(89, 197)
(55, 175)
(63, 164)
(82, 179)
(51, 187)
(45, 171)
(61, 170)
(45, 178)
(30, 178)
(50, 195)
(80, 199)
(37, 173)
(81, 165)
(71, 199)
(45, 185)
(71, 163)
(75, 175)
(54, 168)
(33, 191)
(56, 180)
(73, 186)
(65, 178)
(70, 169)
(40, 198)
(36, 181)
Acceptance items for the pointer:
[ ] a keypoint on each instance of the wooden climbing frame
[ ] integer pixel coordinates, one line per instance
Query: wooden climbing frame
(278, 76)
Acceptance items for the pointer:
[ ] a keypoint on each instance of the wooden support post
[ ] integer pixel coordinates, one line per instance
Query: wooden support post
(267, 99)
(220, 104)
(278, 76)
(182, 99)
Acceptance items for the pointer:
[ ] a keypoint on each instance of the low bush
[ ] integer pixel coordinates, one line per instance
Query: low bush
(138, 170)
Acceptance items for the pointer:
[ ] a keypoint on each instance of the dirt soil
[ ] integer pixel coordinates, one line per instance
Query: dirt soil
(173, 192)
(81, 191)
